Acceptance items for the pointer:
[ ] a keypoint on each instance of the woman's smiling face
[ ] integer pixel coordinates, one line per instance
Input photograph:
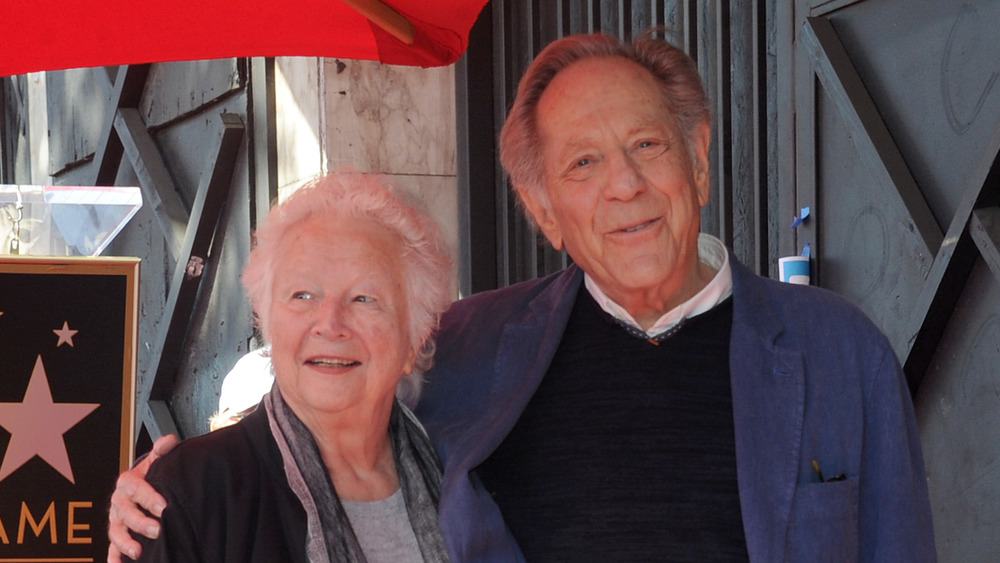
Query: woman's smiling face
(339, 317)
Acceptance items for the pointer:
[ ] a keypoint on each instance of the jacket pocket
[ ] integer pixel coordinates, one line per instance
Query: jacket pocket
(824, 522)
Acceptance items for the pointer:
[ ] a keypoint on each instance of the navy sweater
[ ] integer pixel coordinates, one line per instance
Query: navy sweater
(626, 451)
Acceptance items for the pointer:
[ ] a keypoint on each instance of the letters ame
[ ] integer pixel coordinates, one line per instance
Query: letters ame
(48, 520)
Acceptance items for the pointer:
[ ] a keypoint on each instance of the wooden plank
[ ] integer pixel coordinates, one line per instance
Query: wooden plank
(579, 13)
(549, 28)
(263, 141)
(985, 230)
(822, 8)
(747, 134)
(720, 71)
(186, 88)
(783, 126)
(703, 24)
(802, 153)
(689, 28)
(158, 190)
(127, 92)
(477, 167)
(520, 253)
(15, 158)
(188, 273)
(875, 145)
(768, 43)
(612, 20)
(916, 342)
(639, 15)
(157, 419)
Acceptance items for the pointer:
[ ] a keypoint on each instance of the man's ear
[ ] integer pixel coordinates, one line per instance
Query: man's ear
(536, 203)
(700, 140)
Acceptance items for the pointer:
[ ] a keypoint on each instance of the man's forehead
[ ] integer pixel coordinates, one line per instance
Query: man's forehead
(589, 82)
(587, 112)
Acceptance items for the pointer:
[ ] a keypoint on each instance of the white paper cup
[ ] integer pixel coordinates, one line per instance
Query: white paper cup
(794, 269)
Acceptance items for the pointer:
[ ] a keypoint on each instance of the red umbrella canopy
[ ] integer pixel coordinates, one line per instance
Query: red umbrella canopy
(59, 34)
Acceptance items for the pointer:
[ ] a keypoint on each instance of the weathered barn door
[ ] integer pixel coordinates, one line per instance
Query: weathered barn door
(896, 141)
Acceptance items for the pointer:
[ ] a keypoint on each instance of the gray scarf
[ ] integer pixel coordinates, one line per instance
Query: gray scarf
(329, 537)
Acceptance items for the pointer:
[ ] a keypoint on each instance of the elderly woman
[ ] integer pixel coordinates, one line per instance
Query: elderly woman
(347, 282)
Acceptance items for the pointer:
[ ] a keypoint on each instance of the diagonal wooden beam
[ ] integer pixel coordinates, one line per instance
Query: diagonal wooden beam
(875, 145)
(915, 344)
(985, 230)
(127, 92)
(157, 419)
(158, 190)
(188, 273)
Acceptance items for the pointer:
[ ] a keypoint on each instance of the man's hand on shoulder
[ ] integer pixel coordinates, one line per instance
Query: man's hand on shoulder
(132, 492)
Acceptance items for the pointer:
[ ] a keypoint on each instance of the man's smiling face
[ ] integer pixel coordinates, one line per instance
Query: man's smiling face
(624, 191)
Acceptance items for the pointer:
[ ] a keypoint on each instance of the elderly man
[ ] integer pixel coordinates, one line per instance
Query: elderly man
(656, 400)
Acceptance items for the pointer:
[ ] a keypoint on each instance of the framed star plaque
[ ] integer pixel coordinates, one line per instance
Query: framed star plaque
(67, 378)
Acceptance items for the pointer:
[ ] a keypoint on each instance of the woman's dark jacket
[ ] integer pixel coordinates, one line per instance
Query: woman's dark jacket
(227, 499)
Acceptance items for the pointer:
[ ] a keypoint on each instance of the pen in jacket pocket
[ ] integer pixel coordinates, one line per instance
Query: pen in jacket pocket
(837, 477)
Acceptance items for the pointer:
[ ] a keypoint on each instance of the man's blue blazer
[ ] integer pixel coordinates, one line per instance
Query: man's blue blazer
(812, 378)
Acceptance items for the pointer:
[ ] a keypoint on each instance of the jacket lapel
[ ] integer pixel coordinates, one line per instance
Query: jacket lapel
(768, 404)
(526, 348)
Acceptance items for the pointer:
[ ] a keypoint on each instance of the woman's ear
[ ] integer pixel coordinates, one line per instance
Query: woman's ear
(411, 361)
